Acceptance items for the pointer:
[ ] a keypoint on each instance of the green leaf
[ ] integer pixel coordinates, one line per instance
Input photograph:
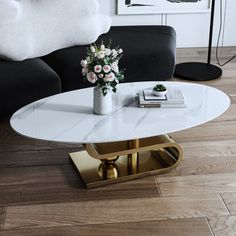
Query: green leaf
(104, 91)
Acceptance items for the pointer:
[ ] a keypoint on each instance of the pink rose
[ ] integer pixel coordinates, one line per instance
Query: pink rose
(106, 68)
(101, 76)
(110, 77)
(92, 78)
(97, 68)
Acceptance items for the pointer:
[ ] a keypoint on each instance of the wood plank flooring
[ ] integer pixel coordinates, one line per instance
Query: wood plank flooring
(111, 211)
(202, 184)
(2, 216)
(180, 227)
(41, 194)
(223, 225)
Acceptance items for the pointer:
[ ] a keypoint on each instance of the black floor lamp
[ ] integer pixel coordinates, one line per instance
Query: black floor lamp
(197, 70)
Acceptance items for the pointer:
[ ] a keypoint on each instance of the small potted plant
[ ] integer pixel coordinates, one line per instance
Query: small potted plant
(159, 90)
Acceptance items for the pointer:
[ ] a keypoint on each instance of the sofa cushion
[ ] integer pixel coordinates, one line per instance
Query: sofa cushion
(149, 54)
(25, 82)
(30, 29)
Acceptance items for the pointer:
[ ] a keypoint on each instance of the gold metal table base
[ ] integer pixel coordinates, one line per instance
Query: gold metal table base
(114, 162)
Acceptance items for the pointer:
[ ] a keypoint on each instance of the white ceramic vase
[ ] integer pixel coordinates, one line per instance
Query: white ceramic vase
(102, 105)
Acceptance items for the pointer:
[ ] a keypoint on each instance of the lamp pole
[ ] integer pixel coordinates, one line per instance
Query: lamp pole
(199, 71)
(211, 31)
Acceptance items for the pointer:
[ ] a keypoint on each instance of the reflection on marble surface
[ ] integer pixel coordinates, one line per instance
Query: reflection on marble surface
(68, 117)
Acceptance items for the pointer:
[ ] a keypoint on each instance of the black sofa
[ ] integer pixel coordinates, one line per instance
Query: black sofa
(149, 54)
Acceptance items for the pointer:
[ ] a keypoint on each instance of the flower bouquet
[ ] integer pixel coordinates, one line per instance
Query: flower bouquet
(101, 67)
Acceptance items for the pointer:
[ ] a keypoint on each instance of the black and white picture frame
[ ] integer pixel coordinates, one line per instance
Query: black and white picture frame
(162, 6)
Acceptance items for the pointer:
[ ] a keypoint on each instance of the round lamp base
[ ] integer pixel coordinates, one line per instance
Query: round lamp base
(197, 71)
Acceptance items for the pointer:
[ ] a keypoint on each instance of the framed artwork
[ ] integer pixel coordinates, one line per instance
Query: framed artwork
(162, 6)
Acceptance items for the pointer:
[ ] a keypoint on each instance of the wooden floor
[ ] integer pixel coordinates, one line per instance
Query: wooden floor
(41, 194)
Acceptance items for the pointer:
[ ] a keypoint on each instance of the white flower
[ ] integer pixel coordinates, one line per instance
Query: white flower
(85, 70)
(83, 63)
(120, 51)
(110, 77)
(102, 47)
(97, 68)
(87, 59)
(101, 54)
(107, 51)
(92, 49)
(92, 78)
(114, 67)
(113, 52)
(101, 76)
(106, 68)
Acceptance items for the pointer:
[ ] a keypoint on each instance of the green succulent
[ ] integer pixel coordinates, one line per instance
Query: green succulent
(159, 88)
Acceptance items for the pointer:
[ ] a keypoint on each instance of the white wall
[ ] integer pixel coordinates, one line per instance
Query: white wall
(230, 23)
(192, 29)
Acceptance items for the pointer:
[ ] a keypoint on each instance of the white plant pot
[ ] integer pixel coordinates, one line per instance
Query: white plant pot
(102, 105)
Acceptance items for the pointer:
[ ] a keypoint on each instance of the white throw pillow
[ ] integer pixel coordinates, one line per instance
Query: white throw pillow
(33, 28)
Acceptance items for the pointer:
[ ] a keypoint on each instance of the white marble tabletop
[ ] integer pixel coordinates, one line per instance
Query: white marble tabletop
(68, 117)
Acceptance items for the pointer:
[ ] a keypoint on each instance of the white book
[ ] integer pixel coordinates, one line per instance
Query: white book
(173, 105)
(173, 98)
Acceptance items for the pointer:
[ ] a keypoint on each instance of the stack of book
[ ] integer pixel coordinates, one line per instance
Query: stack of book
(173, 98)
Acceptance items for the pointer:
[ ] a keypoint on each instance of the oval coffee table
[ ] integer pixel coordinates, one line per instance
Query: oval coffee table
(129, 143)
